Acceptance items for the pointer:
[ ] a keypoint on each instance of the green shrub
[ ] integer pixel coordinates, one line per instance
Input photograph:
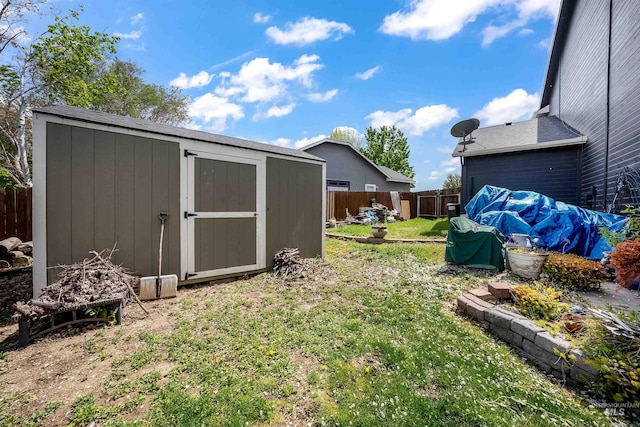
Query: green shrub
(620, 377)
(573, 272)
(630, 231)
(539, 301)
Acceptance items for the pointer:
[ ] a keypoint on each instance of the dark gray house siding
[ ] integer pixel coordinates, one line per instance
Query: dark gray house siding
(344, 164)
(597, 90)
(553, 172)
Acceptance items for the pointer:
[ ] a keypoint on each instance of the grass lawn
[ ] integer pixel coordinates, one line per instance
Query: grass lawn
(366, 338)
(416, 228)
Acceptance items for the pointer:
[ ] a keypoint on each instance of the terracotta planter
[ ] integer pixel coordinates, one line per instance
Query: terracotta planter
(379, 231)
(526, 264)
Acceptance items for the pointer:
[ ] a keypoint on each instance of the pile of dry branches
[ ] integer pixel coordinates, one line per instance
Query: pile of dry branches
(94, 279)
(287, 262)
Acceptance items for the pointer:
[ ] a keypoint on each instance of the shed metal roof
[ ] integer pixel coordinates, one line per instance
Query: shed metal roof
(124, 122)
(535, 134)
(390, 174)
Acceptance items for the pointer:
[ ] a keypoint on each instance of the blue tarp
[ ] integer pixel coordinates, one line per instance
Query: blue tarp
(556, 224)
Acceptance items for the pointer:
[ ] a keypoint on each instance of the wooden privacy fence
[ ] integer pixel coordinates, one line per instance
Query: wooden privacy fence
(15, 213)
(339, 201)
(433, 203)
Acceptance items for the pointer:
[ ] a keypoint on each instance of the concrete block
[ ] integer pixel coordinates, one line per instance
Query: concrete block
(526, 328)
(477, 301)
(548, 342)
(542, 355)
(476, 311)
(510, 313)
(462, 302)
(506, 335)
(498, 318)
(534, 361)
(579, 363)
(483, 294)
(500, 290)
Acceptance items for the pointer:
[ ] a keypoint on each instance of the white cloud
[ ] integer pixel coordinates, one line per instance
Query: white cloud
(434, 19)
(282, 142)
(322, 97)
(442, 19)
(136, 18)
(445, 150)
(441, 173)
(545, 43)
(422, 120)
(183, 82)
(260, 80)
(525, 32)
(231, 61)
(306, 141)
(454, 161)
(215, 111)
(275, 111)
(259, 18)
(366, 75)
(527, 10)
(308, 30)
(133, 35)
(515, 106)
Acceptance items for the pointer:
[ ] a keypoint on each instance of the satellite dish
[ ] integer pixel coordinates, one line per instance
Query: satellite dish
(464, 128)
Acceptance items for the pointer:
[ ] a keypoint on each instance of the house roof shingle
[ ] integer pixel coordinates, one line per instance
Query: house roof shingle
(162, 129)
(535, 134)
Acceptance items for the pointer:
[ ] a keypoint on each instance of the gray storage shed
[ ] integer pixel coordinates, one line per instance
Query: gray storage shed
(101, 179)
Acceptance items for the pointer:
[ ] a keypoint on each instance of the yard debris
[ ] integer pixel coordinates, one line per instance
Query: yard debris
(617, 326)
(289, 265)
(93, 279)
(373, 215)
(15, 254)
(287, 262)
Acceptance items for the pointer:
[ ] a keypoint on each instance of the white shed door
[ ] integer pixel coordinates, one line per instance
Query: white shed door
(223, 217)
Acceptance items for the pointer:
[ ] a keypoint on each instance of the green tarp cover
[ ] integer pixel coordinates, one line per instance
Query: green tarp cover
(474, 245)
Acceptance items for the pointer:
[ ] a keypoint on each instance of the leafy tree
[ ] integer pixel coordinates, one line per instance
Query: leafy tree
(140, 99)
(453, 180)
(347, 134)
(388, 147)
(12, 17)
(61, 66)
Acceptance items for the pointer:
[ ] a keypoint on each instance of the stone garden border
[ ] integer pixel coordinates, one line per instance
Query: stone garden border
(529, 340)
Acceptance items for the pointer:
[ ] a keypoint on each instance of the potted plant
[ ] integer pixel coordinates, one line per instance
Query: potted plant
(379, 231)
(526, 262)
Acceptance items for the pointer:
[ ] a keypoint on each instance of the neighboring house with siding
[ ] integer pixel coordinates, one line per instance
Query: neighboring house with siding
(592, 88)
(349, 170)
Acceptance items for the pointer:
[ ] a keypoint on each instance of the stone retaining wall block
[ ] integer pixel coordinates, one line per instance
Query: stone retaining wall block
(506, 335)
(498, 318)
(526, 328)
(549, 342)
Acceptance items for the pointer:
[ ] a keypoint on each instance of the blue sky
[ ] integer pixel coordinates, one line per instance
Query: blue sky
(288, 72)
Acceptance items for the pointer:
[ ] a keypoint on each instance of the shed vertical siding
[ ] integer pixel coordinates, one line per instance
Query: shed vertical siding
(554, 173)
(294, 207)
(105, 187)
(581, 84)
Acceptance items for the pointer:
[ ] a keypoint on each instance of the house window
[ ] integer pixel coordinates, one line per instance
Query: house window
(337, 185)
(370, 187)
